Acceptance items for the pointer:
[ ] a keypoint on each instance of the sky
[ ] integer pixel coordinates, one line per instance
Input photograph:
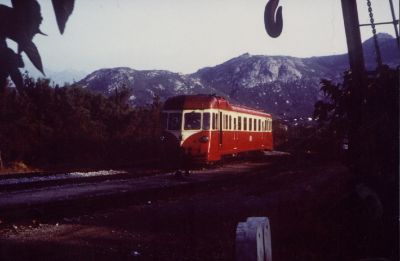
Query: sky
(186, 35)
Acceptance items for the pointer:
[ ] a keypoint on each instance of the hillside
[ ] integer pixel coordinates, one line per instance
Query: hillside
(283, 85)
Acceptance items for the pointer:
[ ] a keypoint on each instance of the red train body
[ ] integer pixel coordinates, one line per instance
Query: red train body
(204, 128)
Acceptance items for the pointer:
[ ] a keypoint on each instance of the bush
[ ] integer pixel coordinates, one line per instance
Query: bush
(45, 125)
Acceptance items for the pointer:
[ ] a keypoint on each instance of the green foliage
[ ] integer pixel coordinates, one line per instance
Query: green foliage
(21, 23)
(367, 115)
(44, 125)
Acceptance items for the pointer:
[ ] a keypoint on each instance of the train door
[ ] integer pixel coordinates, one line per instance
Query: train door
(214, 151)
(229, 134)
(234, 134)
(220, 130)
(226, 136)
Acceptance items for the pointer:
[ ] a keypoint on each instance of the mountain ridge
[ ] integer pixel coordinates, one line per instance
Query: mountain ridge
(286, 86)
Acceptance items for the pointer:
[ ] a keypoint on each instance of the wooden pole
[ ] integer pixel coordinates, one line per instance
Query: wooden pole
(357, 88)
(353, 37)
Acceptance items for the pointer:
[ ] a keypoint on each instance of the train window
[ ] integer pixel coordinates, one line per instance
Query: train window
(239, 123)
(230, 122)
(192, 121)
(244, 123)
(217, 119)
(225, 122)
(265, 125)
(250, 124)
(234, 123)
(255, 124)
(214, 122)
(221, 121)
(164, 121)
(174, 121)
(206, 121)
(259, 125)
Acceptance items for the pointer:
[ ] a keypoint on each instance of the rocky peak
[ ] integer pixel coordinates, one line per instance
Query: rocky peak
(283, 85)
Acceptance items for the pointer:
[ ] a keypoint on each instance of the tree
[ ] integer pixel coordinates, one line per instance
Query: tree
(21, 23)
(373, 147)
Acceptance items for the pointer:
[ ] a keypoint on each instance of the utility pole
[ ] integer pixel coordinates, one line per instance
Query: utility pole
(353, 36)
(358, 87)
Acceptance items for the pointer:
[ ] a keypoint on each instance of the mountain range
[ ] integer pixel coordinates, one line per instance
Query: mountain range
(57, 77)
(282, 85)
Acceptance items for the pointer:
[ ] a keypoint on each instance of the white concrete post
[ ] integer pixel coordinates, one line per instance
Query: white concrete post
(253, 240)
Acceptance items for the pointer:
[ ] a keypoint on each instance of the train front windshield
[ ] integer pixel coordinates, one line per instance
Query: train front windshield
(206, 121)
(191, 121)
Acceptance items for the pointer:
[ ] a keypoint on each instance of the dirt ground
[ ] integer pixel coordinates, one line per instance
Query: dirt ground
(314, 210)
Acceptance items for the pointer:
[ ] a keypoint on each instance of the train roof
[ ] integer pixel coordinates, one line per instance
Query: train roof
(205, 101)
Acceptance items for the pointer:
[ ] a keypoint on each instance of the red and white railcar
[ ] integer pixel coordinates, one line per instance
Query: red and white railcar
(204, 128)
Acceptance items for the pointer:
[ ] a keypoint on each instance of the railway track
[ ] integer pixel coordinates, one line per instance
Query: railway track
(212, 198)
(59, 197)
(28, 180)
(47, 179)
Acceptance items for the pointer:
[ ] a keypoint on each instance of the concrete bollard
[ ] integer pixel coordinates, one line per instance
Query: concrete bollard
(253, 240)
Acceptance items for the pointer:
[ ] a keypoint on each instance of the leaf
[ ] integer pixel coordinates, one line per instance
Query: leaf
(33, 54)
(10, 64)
(63, 9)
(18, 3)
(26, 17)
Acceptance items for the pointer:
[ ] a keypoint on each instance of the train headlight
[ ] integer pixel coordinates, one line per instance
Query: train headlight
(204, 139)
